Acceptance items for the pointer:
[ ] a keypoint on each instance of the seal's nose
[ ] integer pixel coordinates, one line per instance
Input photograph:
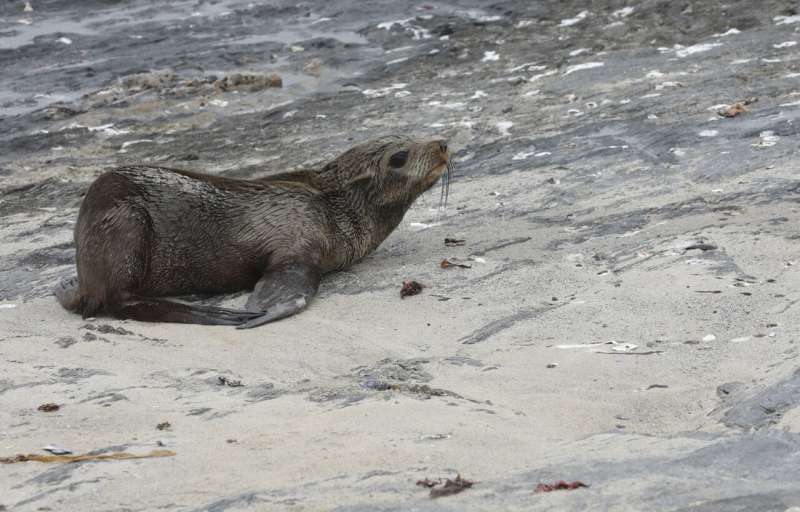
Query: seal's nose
(443, 146)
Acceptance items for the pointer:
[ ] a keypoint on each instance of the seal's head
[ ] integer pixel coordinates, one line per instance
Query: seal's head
(393, 170)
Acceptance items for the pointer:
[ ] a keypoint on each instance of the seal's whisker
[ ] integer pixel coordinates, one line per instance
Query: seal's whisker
(449, 175)
(441, 190)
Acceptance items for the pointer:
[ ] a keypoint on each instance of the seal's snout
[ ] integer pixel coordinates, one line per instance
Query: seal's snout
(439, 151)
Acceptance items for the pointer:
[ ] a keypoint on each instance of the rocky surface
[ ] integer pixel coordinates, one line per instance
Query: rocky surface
(629, 319)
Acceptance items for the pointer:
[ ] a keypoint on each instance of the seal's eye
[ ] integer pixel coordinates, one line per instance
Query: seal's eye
(398, 160)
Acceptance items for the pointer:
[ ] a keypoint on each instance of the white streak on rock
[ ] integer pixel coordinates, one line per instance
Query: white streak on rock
(522, 155)
(729, 32)
(696, 48)
(575, 53)
(786, 20)
(585, 65)
(503, 127)
(378, 93)
(542, 75)
(623, 13)
(125, 145)
(420, 226)
(389, 24)
(572, 21)
(528, 65)
(768, 139)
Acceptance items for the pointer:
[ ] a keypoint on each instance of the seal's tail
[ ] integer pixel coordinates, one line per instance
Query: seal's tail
(162, 310)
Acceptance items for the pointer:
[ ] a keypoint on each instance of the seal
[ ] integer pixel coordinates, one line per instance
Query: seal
(144, 233)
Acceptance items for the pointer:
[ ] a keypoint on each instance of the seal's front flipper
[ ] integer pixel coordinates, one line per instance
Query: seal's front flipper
(283, 291)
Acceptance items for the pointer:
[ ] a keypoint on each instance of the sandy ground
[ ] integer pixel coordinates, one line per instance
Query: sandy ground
(629, 319)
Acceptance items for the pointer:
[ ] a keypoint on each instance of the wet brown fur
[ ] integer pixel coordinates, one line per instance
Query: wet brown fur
(146, 232)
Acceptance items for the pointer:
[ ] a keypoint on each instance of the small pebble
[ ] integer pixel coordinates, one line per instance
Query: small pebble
(552, 365)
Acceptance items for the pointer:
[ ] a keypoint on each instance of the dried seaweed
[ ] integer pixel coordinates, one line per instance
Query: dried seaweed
(33, 457)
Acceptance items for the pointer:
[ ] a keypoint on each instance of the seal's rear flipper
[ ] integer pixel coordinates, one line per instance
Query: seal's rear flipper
(283, 291)
(66, 291)
(160, 310)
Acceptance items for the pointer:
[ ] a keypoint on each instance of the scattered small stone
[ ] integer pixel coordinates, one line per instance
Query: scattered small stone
(225, 381)
(231, 441)
(152, 80)
(454, 242)
(49, 407)
(248, 81)
(164, 425)
(410, 288)
(434, 437)
(724, 391)
(446, 263)
(56, 449)
(66, 341)
(427, 482)
(447, 487)
(709, 337)
(552, 365)
(701, 246)
(559, 486)
(110, 329)
(740, 107)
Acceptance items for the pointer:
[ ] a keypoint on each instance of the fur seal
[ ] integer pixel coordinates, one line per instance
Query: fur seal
(147, 232)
